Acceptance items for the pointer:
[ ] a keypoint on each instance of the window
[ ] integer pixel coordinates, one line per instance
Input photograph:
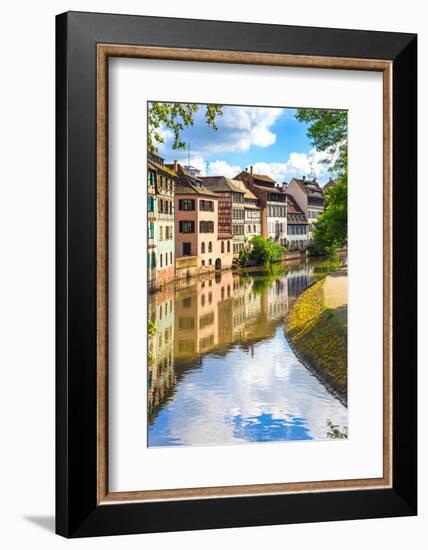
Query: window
(210, 246)
(152, 230)
(206, 227)
(187, 226)
(160, 260)
(150, 203)
(254, 229)
(206, 320)
(228, 246)
(161, 233)
(186, 204)
(249, 229)
(210, 262)
(187, 302)
(206, 206)
(153, 259)
(202, 248)
(170, 258)
(186, 346)
(203, 263)
(222, 247)
(186, 323)
(187, 249)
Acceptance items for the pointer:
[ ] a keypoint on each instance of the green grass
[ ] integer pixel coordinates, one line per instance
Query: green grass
(320, 337)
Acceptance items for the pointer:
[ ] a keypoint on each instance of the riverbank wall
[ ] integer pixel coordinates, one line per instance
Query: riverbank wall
(316, 329)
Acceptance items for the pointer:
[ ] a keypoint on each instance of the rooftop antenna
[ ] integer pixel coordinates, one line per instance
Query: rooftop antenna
(312, 173)
(208, 167)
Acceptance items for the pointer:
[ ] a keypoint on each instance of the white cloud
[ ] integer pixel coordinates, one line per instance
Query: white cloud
(239, 128)
(197, 162)
(222, 168)
(247, 126)
(297, 165)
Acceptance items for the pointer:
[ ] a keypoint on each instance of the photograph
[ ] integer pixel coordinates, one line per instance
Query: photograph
(247, 274)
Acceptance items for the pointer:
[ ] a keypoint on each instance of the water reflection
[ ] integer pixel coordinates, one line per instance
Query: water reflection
(220, 368)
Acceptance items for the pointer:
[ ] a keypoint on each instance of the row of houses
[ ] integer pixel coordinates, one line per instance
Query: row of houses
(199, 224)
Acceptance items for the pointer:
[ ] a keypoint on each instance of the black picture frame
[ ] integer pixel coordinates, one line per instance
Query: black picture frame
(77, 511)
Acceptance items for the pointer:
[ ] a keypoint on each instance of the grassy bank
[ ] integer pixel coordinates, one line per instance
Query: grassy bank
(318, 335)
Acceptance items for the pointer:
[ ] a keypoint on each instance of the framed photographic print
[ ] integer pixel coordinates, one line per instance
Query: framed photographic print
(236, 274)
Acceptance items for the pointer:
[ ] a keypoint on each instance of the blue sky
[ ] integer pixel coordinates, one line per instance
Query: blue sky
(270, 139)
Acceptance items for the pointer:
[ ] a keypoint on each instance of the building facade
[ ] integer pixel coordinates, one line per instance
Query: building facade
(199, 248)
(273, 203)
(231, 216)
(151, 227)
(310, 198)
(297, 225)
(253, 213)
(161, 238)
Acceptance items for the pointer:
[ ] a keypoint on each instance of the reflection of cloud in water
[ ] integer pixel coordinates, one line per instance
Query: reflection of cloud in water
(266, 395)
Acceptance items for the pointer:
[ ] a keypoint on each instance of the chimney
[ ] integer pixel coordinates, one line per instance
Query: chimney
(251, 170)
(175, 166)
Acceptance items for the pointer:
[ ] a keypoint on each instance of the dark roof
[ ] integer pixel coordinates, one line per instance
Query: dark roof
(189, 189)
(294, 213)
(310, 187)
(221, 183)
(188, 184)
(151, 162)
(263, 177)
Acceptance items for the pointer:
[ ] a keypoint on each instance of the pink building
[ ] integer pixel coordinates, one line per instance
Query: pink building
(198, 246)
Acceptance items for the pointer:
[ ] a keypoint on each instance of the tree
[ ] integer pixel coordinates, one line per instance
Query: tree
(331, 229)
(175, 117)
(265, 251)
(328, 132)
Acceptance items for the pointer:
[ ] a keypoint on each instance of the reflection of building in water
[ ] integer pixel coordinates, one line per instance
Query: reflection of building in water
(210, 314)
(297, 281)
(161, 377)
(277, 298)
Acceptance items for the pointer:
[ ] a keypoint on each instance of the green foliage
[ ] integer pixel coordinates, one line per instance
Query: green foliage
(331, 229)
(151, 328)
(265, 251)
(328, 132)
(244, 256)
(334, 432)
(175, 117)
(320, 338)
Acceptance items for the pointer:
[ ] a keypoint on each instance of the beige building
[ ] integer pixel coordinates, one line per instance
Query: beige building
(310, 198)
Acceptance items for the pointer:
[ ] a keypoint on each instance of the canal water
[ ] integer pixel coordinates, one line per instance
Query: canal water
(221, 370)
